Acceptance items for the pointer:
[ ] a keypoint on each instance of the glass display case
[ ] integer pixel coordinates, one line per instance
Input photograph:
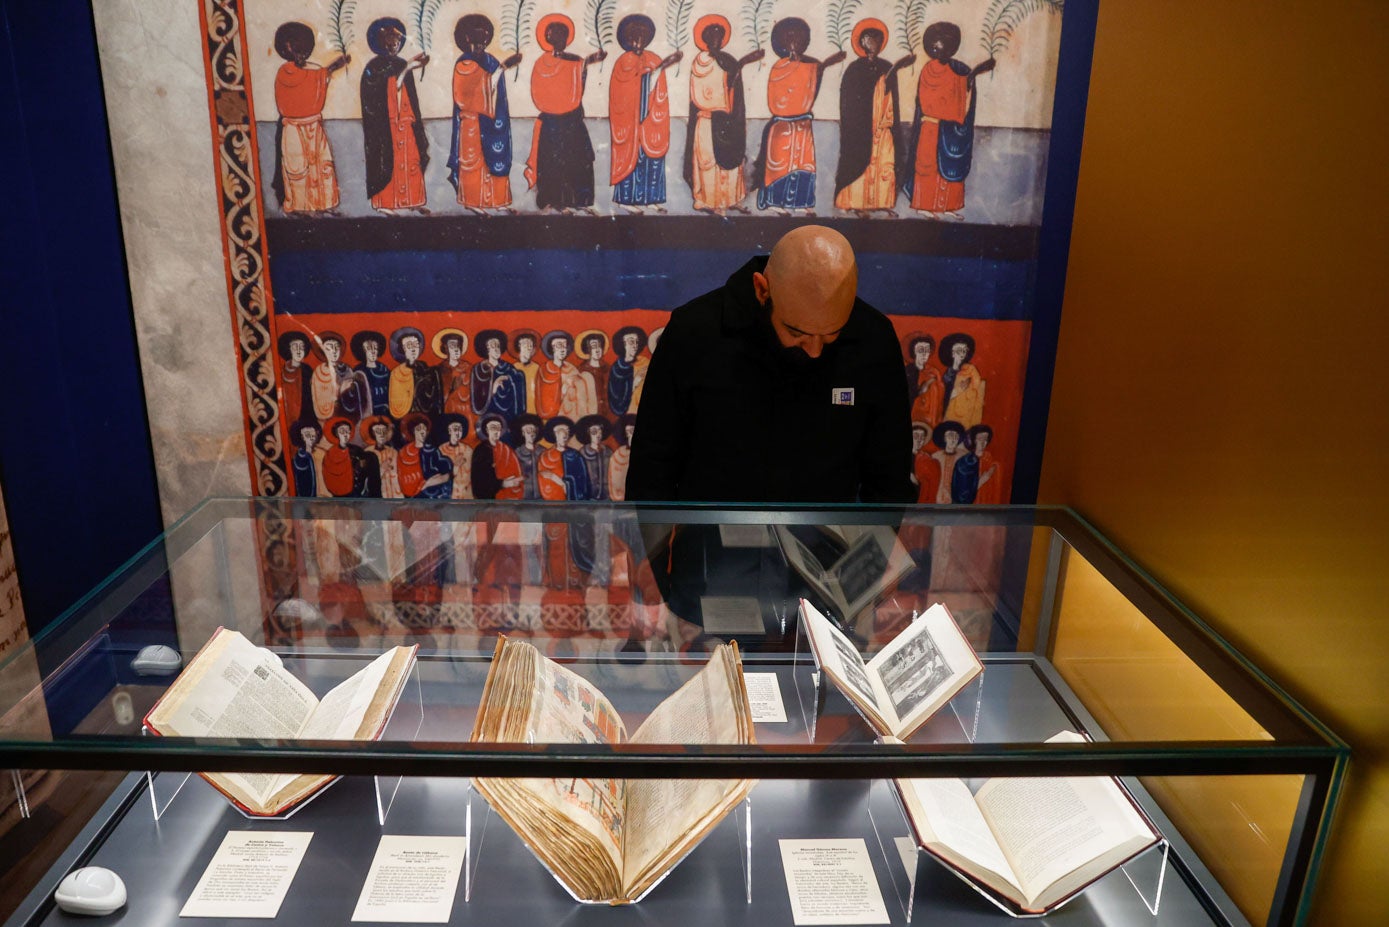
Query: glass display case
(1236, 780)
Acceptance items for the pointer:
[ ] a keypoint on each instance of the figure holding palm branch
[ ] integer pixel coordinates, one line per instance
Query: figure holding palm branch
(480, 155)
(305, 182)
(716, 141)
(784, 175)
(393, 137)
(942, 138)
(866, 178)
(560, 166)
(639, 117)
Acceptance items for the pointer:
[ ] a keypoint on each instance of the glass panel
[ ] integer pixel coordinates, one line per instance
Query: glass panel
(635, 600)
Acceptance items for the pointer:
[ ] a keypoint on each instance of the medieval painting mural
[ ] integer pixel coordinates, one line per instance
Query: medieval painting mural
(455, 229)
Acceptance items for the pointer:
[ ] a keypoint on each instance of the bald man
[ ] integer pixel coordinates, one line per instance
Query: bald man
(780, 386)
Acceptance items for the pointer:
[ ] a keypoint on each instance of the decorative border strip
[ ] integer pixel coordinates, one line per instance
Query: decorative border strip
(243, 238)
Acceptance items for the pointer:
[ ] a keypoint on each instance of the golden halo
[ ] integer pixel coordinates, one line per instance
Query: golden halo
(869, 23)
(710, 19)
(438, 342)
(581, 342)
(544, 24)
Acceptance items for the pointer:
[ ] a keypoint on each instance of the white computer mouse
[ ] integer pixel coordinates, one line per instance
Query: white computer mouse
(156, 660)
(90, 890)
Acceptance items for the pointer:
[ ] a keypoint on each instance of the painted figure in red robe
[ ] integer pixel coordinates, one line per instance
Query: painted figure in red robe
(639, 117)
(942, 139)
(393, 137)
(480, 153)
(924, 384)
(450, 344)
(560, 166)
(496, 471)
(305, 181)
(925, 468)
(784, 175)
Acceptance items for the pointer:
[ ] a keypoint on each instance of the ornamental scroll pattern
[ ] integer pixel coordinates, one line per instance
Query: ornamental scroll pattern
(243, 233)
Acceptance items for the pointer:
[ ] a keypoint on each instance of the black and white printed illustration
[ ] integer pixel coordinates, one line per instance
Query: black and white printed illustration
(913, 673)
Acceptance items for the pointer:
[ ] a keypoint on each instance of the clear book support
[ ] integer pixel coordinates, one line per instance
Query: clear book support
(911, 867)
(12, 792)
(739, 822)
(814, 692)
(404, 724)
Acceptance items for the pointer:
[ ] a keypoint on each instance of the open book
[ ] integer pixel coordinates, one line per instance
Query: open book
(609, 840)
(866, 560)
(233, 688)
(909, 680)
(1034, 842)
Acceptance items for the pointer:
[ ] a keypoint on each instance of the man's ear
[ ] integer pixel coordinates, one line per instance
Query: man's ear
(760, 287)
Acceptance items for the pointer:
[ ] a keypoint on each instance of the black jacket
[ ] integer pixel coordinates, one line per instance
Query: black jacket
(725, 416)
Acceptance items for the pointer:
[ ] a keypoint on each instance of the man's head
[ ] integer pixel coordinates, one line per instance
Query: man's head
(525, 347)
(809, 287)
(410, 347)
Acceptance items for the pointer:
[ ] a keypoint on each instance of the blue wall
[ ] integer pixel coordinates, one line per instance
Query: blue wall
(75, 458)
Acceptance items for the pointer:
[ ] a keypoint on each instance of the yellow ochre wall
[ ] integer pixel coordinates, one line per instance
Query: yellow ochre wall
(1221, 402)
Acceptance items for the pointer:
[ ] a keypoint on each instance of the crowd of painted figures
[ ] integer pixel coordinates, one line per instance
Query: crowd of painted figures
(549, 416)
(951, 460)
(533, 417)
(880, 153)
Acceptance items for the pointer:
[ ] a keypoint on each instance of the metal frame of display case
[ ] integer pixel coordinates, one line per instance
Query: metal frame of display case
(1300, 745)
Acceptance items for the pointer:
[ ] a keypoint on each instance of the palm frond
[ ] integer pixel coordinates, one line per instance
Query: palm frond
(762, 21)
(678, 27)
(340, 13)
(1003, 17)
(900, 9)
(910, 18)
(747, 22)
(516, 23)
(592, 16)
(417, 20)
(429, 13)
(842, 23)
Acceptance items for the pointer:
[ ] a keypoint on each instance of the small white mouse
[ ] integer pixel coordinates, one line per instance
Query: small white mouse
(90, 890)
(156, 660)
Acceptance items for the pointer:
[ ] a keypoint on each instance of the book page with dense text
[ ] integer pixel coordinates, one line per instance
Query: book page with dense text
(666, 815)
(1060, 833)
(236, 690)
(948, 822)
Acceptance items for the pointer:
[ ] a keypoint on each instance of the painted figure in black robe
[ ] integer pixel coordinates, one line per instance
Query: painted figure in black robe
(560, 166)
(716, 138)
(393, 138)
(866, 176)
